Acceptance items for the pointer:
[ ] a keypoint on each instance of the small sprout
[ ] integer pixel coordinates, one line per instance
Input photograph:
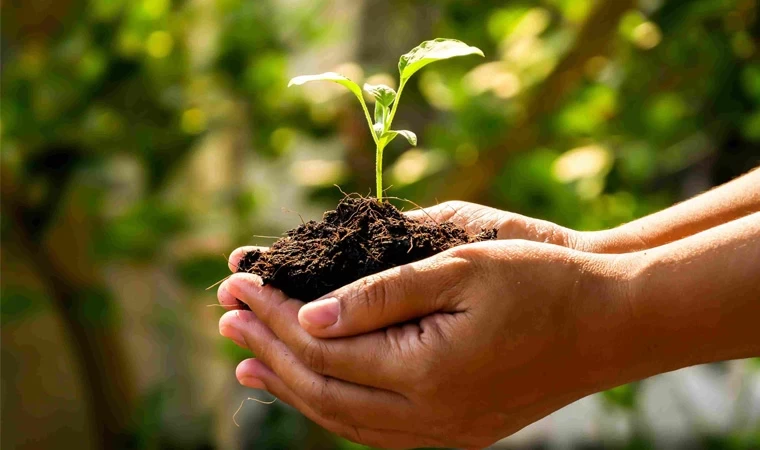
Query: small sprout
(383, 94)
(386, 99)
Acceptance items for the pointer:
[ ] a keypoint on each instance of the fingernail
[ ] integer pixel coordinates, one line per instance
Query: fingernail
(321, 313)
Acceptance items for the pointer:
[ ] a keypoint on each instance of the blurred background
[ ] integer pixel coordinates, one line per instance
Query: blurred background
(143, 140)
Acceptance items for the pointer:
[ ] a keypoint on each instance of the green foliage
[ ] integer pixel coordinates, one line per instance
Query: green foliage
(18, 303)
(202, 271)
(95, 308)
(622, 396)
(148, 414)
(409, 63)
(343, 444)
(139, 233)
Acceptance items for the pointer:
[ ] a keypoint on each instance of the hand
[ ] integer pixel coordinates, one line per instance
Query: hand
(494, 337)
(473, 218)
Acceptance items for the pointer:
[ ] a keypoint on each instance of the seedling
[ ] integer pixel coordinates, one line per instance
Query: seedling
(386, 99)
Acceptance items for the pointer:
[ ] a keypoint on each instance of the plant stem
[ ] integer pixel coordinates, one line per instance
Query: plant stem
(369, 121)
(395, 105)
(380, 143)
(379, 169)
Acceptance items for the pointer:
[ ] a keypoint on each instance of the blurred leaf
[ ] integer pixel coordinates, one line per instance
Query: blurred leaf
(140, 233)
(343, 444)
(18, 304)
(503, 21)
(589, 112)
(622, 396)
(637, 163)
(529, 186)
(95, 308)
(750, 78)
(666, 112)
(149, 414)
(751, 128)
(265, 76)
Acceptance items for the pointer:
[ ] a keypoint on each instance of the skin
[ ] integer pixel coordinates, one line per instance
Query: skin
(471, 345)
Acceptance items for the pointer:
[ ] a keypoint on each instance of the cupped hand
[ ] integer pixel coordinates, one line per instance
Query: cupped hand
(460, 349)
(474, 218)
(631, 237)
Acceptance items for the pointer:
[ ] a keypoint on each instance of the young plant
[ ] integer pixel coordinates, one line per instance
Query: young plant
(386, 99)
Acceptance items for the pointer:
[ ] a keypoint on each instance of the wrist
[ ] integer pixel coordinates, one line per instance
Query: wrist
(615, 240)
(610, 344)
(695, 301)
(676, 306)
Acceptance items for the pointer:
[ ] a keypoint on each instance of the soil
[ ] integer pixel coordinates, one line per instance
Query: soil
(359, 238)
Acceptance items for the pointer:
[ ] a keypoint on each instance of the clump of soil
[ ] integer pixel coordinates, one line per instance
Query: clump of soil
(359, 238)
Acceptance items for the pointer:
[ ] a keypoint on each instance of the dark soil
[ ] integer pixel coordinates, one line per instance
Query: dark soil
(359, 238)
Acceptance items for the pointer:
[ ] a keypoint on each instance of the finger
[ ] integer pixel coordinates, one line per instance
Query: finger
(227, 299)
(345, 359)
(474, 218)
(470, 216)
(238, 254)
(336, 399)
(391, 297)
(253, 373)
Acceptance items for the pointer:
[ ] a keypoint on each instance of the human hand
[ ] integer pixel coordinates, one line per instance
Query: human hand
(638, 235)
(494, 336)
(473, 218)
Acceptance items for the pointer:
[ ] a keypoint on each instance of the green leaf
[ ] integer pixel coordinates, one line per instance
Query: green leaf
(411, 137)
(432, 51)
(383, 94)
(340, 79)
(328, 76)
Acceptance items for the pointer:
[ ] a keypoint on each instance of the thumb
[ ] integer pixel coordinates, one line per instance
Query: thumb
(394, 296)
